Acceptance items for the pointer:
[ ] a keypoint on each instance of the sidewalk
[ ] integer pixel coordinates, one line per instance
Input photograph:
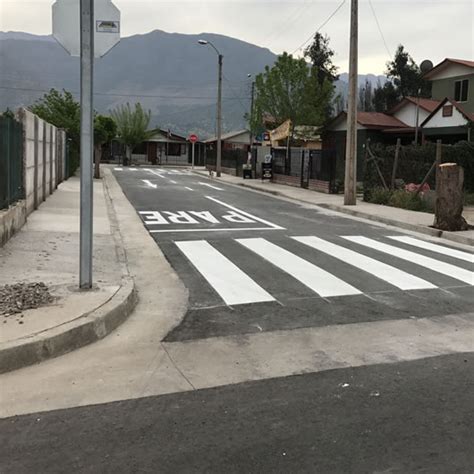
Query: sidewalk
(409, 220)
(47, 250)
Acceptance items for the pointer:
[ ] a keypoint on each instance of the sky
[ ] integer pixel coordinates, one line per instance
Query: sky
(429, 29)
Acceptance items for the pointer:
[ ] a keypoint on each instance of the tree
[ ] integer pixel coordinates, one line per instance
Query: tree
(385, 97)
(105, 130)
(63, 111)
(132, 126)
(290, 90)
(406, 75)
(320, 55)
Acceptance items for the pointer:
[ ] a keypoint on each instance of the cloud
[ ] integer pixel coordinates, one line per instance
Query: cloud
(427, 28)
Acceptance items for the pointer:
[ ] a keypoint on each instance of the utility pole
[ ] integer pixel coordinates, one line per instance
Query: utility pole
(87, 141)
(219, 119)
(417, 125)
(350, 181)
(252, 100)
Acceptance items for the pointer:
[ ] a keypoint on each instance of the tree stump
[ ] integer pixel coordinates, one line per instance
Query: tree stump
(449, 198)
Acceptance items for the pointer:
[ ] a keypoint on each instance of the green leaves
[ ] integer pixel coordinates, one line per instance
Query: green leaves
(132, 124)
(105, 129)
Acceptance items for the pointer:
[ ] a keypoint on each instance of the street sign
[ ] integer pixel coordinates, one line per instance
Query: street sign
(66, 29)
(193, 138)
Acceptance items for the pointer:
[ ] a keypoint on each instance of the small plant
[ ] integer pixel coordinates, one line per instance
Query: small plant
(379, 196)
(408, 200)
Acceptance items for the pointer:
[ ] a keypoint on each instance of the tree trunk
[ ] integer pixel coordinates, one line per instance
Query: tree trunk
(449, 198)
(97, 157)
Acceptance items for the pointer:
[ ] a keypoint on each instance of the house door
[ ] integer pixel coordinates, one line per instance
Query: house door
(151, 152)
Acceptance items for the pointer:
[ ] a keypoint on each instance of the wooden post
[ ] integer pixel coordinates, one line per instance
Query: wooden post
(439, 150)
(449, 198)
(395, 163)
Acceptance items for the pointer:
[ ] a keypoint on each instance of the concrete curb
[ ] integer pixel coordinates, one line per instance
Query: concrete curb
(454, 237)
(67, 337)
(87, 328)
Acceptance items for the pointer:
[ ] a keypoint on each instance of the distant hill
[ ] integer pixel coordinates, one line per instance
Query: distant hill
(169, 73)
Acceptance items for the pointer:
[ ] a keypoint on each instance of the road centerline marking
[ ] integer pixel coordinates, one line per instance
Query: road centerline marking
(149, 183)
(211, 186)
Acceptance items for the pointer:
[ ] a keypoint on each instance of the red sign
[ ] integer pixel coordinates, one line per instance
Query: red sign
(193, 138)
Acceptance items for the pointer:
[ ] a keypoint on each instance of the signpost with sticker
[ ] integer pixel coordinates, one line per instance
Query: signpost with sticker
(89, 29)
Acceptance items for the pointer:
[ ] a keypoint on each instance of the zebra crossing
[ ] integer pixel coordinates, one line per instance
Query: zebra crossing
(156, 171)
(235, 287)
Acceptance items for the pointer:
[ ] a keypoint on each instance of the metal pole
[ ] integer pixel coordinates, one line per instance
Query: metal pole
(192, 156)
(350, 181)
(219, 120)
(87, 141)
(252, 99)
(417, 116)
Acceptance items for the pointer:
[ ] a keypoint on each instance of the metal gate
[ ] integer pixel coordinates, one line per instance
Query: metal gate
(305, 168)
(11, 160)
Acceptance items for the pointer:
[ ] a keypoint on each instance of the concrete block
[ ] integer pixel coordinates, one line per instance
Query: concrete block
(11, 221)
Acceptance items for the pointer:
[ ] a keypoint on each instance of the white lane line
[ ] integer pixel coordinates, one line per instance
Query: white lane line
(422, 244)
(118, 169)
(146, 169)
(315, 278)
(173, 182)
(132, 169)
(227, 229)
(189, 189)
(157, 174)
(210, 186)
(452, 271)
(385, 272)
(229, 281)
(149, 183)
(258, 219)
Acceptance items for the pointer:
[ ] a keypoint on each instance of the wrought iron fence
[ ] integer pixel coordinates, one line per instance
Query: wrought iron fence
(11, 161)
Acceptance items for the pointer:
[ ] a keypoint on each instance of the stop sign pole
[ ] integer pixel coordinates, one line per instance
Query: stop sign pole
(193, 139)
(87, 141)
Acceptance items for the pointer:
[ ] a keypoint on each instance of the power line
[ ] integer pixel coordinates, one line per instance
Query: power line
(380, 29)
(320, 27)
(124, 94)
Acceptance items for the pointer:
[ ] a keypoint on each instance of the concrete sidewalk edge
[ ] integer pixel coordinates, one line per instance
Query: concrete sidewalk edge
(453, 236)
(85, 329)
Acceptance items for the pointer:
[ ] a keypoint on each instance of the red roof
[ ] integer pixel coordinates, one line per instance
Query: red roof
(467, 115)
(379, 120)
(445, 63)
(427, 104)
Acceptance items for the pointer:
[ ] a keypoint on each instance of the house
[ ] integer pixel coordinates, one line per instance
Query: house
(231, 141)
(452, 84)
(164, 147)
(409, 108)
(376, 126)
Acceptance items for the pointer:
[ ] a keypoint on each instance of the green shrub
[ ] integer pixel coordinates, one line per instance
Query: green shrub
(407, 200)
(379, 196)
(469, 199)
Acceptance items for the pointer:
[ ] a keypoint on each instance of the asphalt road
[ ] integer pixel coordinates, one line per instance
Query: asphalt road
(253, 263)
(414, 417)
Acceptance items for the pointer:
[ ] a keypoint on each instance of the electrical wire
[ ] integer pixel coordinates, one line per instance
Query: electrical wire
(320, 27)
(380, 29)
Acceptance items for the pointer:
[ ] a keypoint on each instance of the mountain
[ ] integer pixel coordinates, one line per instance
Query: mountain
(169, 73)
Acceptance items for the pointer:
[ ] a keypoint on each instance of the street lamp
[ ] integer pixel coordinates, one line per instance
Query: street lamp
(219, 106)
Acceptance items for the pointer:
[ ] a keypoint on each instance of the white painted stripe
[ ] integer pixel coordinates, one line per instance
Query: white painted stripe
(227, 229)
(118, 169)
(385, 272)
(189, 189)
(452, 271)
(146, 169)
(157, 174)
(229, 281)
(173, 182)
(211, 186)
(315, 278)
(132, 169)
(422, 244)
(149, 183)
(258, 219)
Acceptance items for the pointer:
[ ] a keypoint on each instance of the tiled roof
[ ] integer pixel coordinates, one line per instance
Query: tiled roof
(379, 120)
(445, 63)
(467, 115)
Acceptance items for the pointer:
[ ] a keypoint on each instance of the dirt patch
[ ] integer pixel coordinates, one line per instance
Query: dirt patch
(14, 299)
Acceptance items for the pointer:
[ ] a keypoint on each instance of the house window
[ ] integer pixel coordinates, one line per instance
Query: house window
(448, 111)
(461, 90)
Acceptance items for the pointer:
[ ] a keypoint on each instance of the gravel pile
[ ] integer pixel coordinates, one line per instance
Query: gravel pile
(17, 298)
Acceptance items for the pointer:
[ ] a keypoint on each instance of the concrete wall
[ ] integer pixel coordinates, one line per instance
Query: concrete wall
(44, 158)
(44, 167)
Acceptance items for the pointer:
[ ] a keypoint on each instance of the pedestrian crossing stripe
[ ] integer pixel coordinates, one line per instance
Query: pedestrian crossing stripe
(229, 281)
(438, 266)
(381, 270)
(235, 287)
(468, 257)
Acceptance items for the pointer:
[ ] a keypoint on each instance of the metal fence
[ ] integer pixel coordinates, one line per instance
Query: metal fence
(11, 161)
(231, 159)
